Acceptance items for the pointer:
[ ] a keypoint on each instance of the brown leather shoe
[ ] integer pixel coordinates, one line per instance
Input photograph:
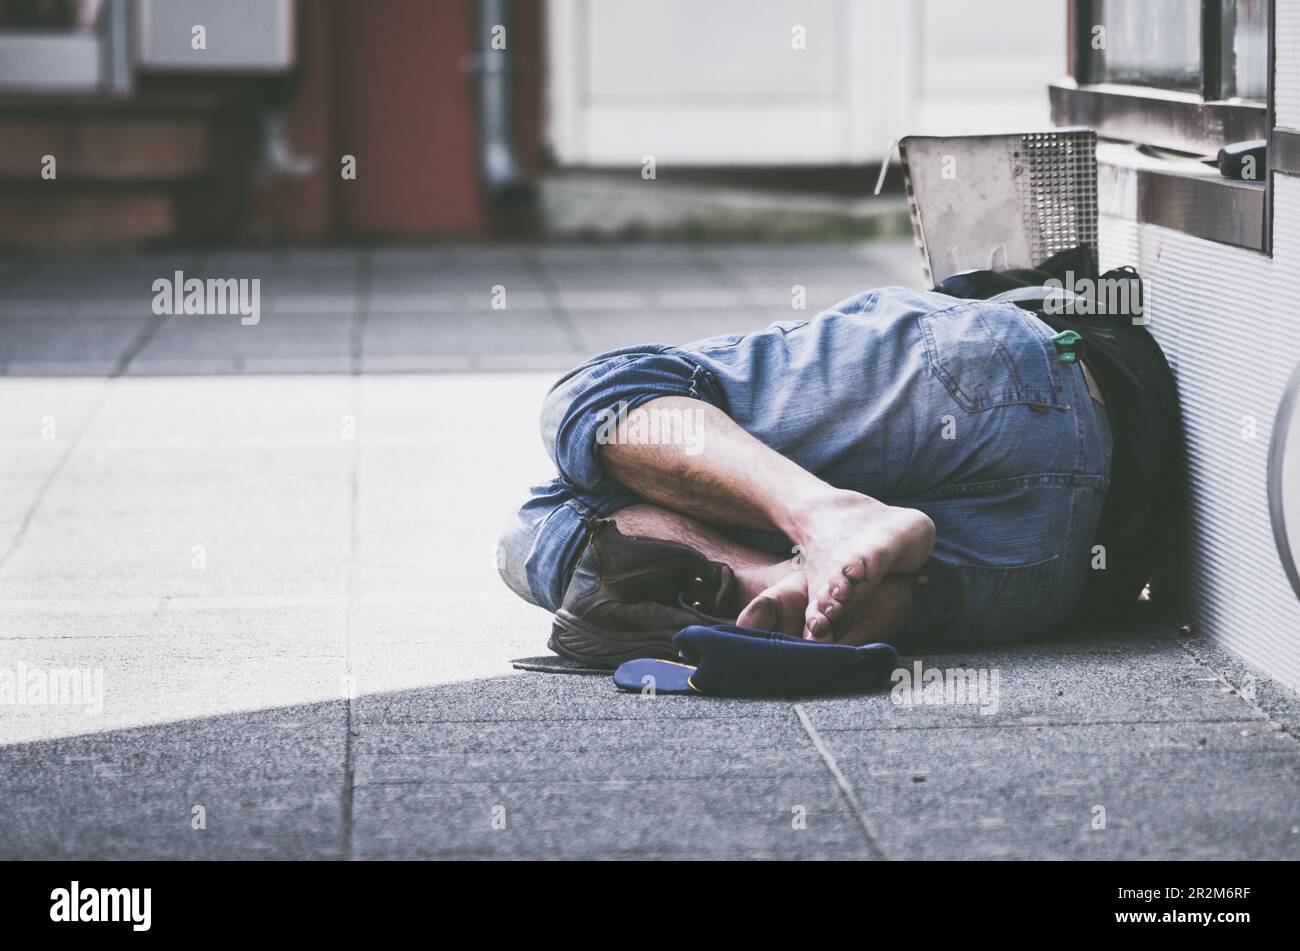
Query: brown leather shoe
(629, 595)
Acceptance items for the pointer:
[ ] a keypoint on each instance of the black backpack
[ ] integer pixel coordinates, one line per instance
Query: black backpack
(1140, 516)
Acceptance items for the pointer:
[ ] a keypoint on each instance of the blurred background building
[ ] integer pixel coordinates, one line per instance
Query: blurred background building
(200, 121)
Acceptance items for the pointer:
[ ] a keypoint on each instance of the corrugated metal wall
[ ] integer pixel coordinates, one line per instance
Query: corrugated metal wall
(1229, 320)
(1286, 88)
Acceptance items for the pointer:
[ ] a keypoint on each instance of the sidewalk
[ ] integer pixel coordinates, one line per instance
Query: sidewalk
(275, 542)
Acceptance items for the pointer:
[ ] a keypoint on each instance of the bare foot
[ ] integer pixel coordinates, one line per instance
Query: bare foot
(874, 615)
(851, 543)
(774, 598)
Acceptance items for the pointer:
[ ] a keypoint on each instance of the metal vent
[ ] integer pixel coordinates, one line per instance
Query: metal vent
(1059, 195)
(999, 201)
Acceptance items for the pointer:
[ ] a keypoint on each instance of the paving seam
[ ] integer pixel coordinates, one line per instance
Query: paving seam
(123, 363)
(1219, 675)
(356, 334)
(1039, 726)
(846, 788)
(555, 305)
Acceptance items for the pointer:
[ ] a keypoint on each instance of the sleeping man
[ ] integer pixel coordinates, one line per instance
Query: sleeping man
(925, 468)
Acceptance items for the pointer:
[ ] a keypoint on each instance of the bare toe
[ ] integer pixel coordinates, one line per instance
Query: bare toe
(816, 626)
(878, 614)
(780, 607)
(854, 542)
(826, 599)
(855, 570)
(762, 614)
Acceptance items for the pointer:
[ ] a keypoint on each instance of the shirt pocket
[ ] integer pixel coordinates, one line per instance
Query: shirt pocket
(990, 354)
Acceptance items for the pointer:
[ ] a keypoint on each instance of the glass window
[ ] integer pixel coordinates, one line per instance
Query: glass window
(1218, 50)
(1152, 43)
(1181, 76)
(1245, 49)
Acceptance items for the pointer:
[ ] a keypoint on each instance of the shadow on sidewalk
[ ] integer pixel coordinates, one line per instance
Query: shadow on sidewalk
(532, 765)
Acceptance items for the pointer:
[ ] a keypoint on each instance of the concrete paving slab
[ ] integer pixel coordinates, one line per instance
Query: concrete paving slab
(280, 821)
(688, 818)
(1135, 678)
(186, 520)
(508, 331)
(576, 299)
(551, 697)
(103, 342)
(167, 666)
(88, 277)
(615, 329)
(29, 407)
(947, 793)
(186, 366)
(277, 279)
(220, 412)
(406, 363)
(821, 289)
(457, 278)
(11, 307)
(62, 368)
(639, 275)
(554, 363)
(393, 649)
(324, 262)
(133, 303)
(264, 784)
(279, 335)
(314, 301)
(560, 753)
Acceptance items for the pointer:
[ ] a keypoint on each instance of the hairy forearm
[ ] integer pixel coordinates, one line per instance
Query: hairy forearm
(723, 475)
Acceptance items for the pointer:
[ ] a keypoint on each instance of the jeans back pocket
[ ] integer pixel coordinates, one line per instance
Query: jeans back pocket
(1007, 604)
(990, 354)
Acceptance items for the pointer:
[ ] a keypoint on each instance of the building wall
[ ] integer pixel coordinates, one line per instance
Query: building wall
(721, 83)
(389, 83)
(407, 109)
(1228, 320)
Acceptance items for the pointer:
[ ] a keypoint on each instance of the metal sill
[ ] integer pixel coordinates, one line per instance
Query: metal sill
(1183, 195)
(1157, 117)
(1284, 152)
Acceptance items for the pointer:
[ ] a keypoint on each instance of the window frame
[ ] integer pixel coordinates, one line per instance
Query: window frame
(1216, 209)
(1198, 123)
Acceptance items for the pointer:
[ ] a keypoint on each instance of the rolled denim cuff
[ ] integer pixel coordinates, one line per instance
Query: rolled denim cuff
(582, 410)
(544, 539)
(549, 564)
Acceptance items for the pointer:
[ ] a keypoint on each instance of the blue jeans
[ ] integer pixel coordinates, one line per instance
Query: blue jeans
(958, 408)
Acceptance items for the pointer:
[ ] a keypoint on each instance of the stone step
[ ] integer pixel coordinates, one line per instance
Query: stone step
(103, 148)
(123, 167)
(50, 216)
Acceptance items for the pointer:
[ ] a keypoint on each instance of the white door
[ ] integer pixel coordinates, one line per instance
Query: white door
(789, 82)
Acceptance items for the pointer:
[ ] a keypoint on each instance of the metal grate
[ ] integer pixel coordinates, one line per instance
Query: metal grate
(1059, 193)
(999, 201)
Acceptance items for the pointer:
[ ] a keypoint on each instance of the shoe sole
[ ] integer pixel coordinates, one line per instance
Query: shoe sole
(574, 639)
